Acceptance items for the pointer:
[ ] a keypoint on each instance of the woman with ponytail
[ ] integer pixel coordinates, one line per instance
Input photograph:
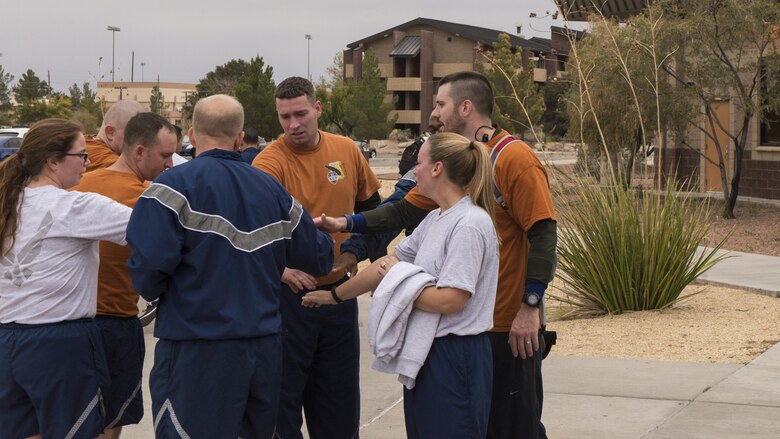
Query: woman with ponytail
(52, 364)
(443, 279)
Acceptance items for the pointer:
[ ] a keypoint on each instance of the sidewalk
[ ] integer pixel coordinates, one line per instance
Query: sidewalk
(608, 398)
(750, 271)
(613, 398)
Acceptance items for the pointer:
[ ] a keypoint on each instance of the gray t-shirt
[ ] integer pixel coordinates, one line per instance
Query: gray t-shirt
(50, 273)
(460, 249)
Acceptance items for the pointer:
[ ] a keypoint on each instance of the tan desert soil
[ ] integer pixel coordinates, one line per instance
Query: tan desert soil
(719, 325)
(756, 229)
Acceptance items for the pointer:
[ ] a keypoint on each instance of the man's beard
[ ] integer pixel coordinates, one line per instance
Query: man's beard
(456, 125)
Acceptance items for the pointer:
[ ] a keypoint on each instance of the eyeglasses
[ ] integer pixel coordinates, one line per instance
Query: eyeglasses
(84, 156)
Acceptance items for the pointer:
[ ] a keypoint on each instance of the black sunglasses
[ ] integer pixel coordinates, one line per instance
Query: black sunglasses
(84, 156)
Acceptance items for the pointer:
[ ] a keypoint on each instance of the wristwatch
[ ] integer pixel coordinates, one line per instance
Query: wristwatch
(532, 299)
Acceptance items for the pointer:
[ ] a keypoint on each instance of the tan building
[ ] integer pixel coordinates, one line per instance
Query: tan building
(414, 55)
(174, 95)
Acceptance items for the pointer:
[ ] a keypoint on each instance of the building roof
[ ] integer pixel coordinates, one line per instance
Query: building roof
(481, 34)
(543, 41)
(408, 47)
(578, 10)
(576, 34)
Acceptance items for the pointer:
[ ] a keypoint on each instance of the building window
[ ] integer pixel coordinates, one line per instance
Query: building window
(770, 129)
(561, 63)
(770, 123)
(538, 60)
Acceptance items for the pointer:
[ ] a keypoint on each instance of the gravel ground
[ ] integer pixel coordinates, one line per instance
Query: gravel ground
(719, 325)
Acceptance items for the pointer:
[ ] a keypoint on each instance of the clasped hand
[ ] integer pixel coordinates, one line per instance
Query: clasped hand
(330, 224)
(366, 280)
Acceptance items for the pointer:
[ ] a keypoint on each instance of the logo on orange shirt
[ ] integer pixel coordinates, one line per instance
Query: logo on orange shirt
(335, 171)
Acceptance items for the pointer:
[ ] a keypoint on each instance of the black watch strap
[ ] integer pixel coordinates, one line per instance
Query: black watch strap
(335, 296)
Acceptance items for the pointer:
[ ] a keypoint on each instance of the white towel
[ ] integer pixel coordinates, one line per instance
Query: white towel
(399, 335)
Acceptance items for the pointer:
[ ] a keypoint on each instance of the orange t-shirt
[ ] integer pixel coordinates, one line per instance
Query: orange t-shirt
(100, 154)
(526, 191)
(116, 296)
(328, 179)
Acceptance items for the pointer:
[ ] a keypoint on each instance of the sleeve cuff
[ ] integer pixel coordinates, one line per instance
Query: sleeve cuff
(358, 223)
(535, 287)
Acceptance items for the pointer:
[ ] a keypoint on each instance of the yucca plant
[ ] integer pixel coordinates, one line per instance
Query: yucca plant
(623, 250)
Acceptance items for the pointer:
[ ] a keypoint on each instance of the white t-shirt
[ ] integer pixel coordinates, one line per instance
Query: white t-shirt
(460, 249)
(50, 274)
(178, 160)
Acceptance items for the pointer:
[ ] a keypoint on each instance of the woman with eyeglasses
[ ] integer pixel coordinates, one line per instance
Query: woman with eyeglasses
(52, 364)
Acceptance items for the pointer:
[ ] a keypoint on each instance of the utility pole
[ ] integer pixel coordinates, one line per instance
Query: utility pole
(121, 89)
(113, 30)
(308, 56)
(132, 66)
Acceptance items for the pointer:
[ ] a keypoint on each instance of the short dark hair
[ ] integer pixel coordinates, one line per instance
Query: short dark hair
(472, 86)
(294, 87)
(179, 133)
(143, 128)
(251, 135)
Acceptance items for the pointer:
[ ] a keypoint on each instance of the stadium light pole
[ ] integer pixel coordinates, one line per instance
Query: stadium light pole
(113, 30)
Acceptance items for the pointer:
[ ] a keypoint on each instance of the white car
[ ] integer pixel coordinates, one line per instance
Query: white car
(18, 132)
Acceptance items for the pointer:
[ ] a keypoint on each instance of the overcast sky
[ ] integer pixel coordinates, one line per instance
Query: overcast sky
(182, 40)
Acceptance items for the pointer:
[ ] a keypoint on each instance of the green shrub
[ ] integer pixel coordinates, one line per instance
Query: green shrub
(623, 250)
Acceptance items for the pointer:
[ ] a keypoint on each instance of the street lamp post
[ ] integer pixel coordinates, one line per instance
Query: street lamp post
(142, 70)
(113, 30)
(308, 55)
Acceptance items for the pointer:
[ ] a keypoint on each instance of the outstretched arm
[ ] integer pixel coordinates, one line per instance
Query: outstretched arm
(374, 245)
(394, 216)
(366, 280)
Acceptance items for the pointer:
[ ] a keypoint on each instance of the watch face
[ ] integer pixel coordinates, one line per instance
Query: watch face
(532, 299)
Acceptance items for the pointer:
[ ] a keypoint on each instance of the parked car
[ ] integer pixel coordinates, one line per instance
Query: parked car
(9, 144)
(18, 132)
(369, 152)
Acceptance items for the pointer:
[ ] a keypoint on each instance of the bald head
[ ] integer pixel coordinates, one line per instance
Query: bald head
(216, 123)
(114, 122)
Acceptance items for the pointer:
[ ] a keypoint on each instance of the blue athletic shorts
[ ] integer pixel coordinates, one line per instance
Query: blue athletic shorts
(123, 342)
(51, 380)
(216, 388)
(451, 397)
